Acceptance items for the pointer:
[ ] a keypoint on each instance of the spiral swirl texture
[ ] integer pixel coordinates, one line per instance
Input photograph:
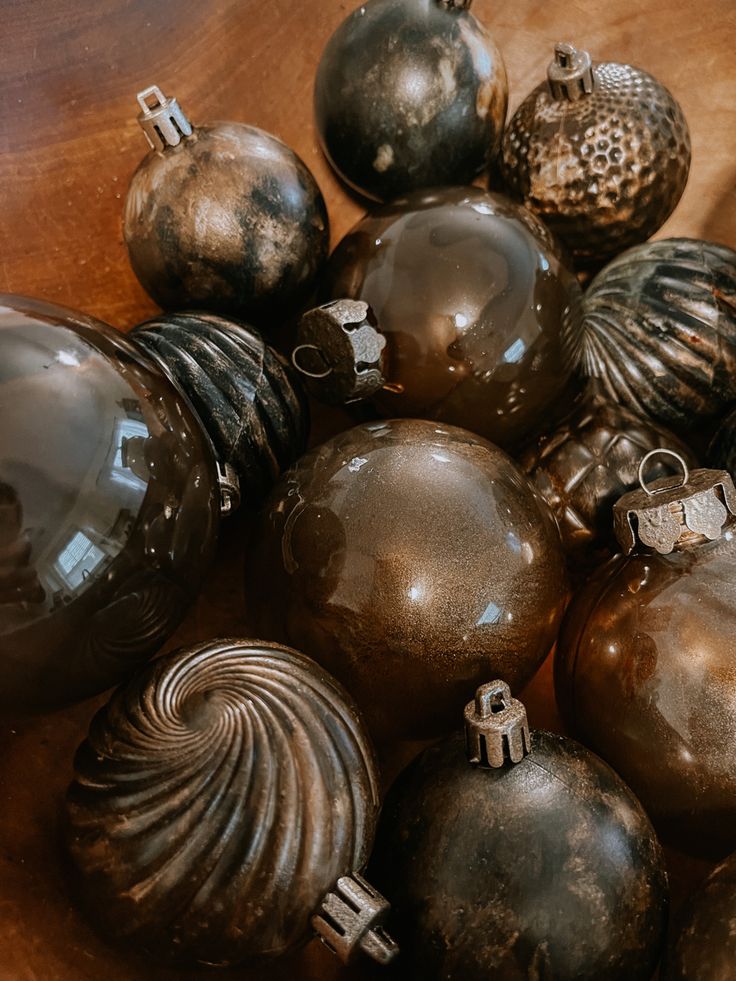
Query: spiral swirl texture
(217, 798)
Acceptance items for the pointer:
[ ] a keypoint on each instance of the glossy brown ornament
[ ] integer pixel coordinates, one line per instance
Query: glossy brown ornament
(526, 858)
(411, 559)
(645, 669)
(600, 152)
(589, 461)
(219, 801)
(224, 217)
(703, 944)
(478, 313)
(660, 331)
(410, 94)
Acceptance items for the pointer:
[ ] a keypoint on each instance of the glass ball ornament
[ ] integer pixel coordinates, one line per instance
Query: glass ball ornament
(465, 313)
(513, 854)
(410, 559)
(600, 151)
(410, 94)
(224, 217)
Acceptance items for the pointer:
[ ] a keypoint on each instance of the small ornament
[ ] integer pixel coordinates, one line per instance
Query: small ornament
(222, 803)
(600, 152)
(659, 327)
(703, 946)
(410, 95)
(527, 858)
(453, 305)
(224, 216)
(589, 461)
(644, 664)
(411, 559)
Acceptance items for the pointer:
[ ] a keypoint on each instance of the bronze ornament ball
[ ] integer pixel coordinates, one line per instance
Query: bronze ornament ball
(411, 559)
(410, 94)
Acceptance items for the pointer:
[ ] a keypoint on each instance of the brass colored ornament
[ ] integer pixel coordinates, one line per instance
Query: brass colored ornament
(223, 806)
(644, 669)
(600, 152)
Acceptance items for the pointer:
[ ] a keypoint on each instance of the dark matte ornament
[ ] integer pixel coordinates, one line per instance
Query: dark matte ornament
(600, 152)
(660, 331)
(645, 671)
(244, 392)
(471, 319)
(589, 461)
(410, 94)
(224, 217)
(221, 804)
(703, 946)
(514, 855)
(412, 560)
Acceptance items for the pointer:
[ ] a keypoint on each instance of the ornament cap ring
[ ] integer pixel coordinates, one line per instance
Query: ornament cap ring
(661, 451)
(302, 369)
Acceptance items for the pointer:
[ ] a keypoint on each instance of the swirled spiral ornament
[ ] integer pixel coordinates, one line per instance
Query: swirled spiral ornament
(659, 325)
(217, 799)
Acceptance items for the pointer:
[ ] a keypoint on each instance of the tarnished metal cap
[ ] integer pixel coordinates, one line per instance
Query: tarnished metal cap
(570, 74)
(496, 727)
(340, 352)
(162, 121)
(350, 921)
(674, 512)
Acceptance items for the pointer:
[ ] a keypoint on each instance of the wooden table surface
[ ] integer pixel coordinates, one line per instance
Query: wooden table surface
(69, 143)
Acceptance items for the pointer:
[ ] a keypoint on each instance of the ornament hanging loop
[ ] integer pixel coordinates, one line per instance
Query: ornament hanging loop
(161, 119)
(662, 452)
(303, 369)
(570, 75)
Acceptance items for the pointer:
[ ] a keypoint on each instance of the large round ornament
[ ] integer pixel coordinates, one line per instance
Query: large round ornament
(410, 94)
(590, 460)
(412, 560)
(223, 216)
(659, 327)
(476, 314)
(645, 668)
(220, 800)
(526, 858)
(722, 449)
(600, 151)
(703, 945)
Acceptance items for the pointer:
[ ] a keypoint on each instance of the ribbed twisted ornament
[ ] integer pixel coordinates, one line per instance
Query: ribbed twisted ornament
(245, 393)
(659, 327)
(217, 798)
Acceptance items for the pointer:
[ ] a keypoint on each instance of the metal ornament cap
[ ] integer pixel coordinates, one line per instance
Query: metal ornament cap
(350, 921)
(570, 74)
(161, 119)
(496, 727)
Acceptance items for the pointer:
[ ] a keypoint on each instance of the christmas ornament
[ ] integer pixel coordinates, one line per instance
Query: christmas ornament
(645, 662)
(600, 151)
(409, 95)
(703, 948)
(110, 492)
(660, 330)
(589, 461)
(221, 804)
(224, 216)
(526, 858)
(476, 316)
(722, 450)
(410, 559)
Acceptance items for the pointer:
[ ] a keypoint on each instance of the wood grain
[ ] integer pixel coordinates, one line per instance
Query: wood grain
(68, 146)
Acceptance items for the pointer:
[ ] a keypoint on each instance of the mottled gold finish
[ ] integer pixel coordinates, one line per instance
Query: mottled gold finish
(414, 561)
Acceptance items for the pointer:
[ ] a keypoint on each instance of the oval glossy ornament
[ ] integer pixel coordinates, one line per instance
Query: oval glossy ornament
(224, 217)
(411, 559)
(659, 326)
(109, 506)
(217, 799)
(534, 861)
(645, 669)
(600, 151)
(479, 313)
(410, 94)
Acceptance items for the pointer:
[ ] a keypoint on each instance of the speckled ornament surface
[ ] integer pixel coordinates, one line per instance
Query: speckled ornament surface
(601, 152)
(224, 217)
(412, 560)
(659, 325)
(410, 94)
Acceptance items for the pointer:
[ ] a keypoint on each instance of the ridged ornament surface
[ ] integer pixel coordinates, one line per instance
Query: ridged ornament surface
(217, 798)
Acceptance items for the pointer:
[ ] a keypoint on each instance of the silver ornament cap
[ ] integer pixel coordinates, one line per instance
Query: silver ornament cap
(570, 74)
(496, 727)
(162, 120)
